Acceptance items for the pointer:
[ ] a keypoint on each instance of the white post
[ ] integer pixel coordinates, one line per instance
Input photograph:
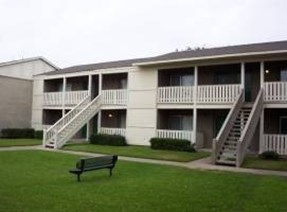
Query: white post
(195, 84)
(261, 131)
(262, 74)
(100, 112)
(243, 78)
(90, 94)
(194, 126)
(64, 95)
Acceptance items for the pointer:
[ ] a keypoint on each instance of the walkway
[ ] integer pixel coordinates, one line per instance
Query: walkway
(202, 164)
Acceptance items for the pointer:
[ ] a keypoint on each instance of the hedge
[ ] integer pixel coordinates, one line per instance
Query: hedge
(269, 155)
(39, 134)
(172, 144)
(111, 140)
(18, 133)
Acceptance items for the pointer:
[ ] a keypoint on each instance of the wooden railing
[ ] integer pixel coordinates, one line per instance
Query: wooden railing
(275, 91)
(74, 97)
(53, 99)
(274, 142)
(71, 98)
(249, 129)
(51, 132)
(113, 131)
(226, 127)
(175, 134)
(175, 94)
(218, 93)
(114, 97)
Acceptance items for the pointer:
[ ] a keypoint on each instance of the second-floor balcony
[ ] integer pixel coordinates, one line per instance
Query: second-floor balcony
(275, 91)
(114, 97)
(204, 94)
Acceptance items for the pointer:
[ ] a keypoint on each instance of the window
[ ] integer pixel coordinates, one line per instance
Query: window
(179, 122)
(283, 75)
(283, 124)
(181, 80)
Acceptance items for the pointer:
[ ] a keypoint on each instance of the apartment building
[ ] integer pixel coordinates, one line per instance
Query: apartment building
(230, 99)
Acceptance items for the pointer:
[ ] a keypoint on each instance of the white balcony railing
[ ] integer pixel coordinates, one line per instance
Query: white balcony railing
(71, 98)
(218, 93)
(275, 142)
(74, 97)
(275, 91)
(115, 97)
(45, 126)
(53, 99)
(175, 134)
(113, 131)
(175, 94)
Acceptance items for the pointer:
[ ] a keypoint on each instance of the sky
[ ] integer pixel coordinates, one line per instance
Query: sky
(73, 32)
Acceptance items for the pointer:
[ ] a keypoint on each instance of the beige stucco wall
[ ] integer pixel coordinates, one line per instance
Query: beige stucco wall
(37, 112)
(25, 70)
(141, 113)
(16, 102)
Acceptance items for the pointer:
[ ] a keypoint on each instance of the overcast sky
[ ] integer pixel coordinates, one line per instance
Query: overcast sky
(71, 32)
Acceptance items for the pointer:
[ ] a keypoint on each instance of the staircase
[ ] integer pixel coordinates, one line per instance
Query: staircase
(235, 135)
(57, 135)
(227, 154)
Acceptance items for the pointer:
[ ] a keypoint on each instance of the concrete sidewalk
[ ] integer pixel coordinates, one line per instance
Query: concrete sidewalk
(201, 164)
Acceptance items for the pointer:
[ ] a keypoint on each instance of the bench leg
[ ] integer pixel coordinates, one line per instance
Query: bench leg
(111, 172)
(78, 177)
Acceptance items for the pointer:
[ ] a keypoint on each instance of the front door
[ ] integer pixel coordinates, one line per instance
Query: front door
(252, 81)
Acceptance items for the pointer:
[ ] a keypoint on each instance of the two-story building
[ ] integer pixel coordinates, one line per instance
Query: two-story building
(232, 99)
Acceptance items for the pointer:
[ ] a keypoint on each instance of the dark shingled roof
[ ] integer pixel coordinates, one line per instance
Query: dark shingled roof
(192, 54)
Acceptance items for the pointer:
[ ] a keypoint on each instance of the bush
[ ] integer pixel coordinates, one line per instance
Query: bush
(112, 140)
(270, 155)
(39, 134)
(172, 144)
(18, 133)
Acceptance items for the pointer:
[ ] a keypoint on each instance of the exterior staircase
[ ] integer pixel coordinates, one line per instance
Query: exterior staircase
(58, 134)
(227, 154)
(236, 133)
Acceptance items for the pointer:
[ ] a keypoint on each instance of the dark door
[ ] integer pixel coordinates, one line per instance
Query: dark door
(252, 81)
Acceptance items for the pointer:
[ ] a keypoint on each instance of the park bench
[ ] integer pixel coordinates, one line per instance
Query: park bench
(95, 163)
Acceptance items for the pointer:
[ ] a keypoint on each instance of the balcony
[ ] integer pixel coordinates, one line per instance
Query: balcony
(113, 131)
(114, 97)
(275, 142)
(206, 94)
(275, 91)
(71, 98)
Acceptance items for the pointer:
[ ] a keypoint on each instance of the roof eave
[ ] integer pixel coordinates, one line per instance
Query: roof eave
(189, 59)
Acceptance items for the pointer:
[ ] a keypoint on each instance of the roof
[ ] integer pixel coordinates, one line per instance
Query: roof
(14, 78)
(25, 60)
(257, 48)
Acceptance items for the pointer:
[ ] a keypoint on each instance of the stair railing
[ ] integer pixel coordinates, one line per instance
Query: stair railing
(249, 129)
(51, 132)
(226, 127)
(94, 105)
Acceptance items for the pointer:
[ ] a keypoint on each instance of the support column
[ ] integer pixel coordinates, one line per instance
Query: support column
(90, 94)
(261, 130)
(100, 112)
(242, 70)
(261, 74)
(64, 95)
(194, 108)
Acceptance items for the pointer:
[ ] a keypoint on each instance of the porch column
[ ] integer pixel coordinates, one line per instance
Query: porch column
(194, 125)
(90, 94)
(100, 112)
(64, 95)
(261, 131)
(195, 84)
(261, 74)
(243, 78)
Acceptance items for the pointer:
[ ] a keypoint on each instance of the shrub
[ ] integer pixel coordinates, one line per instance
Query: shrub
(270, 155)
(112, 140)
(18, 133)
(39, 134)
(172, 144)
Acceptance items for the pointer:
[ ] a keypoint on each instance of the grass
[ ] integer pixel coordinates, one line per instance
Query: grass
(19, 142)
(39, 181)
(139, 152)
(258, 163)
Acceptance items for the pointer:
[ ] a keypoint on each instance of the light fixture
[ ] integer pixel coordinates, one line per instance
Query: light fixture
(267, 71)
(110, 115)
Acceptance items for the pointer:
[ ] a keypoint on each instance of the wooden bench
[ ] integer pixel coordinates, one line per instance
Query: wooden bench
(95, 163)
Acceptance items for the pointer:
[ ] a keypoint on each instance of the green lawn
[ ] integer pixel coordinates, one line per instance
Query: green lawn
(39, 181)
(19, 142)
(138, 152)
(258, 163)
